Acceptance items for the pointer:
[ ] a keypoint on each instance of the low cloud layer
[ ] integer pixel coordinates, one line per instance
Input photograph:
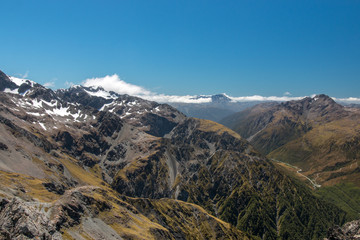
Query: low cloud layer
(115, 84)
(263, 99)
(162, 98)
(348, 100)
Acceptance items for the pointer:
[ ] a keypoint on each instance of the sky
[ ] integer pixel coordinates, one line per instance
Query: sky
(241, 48)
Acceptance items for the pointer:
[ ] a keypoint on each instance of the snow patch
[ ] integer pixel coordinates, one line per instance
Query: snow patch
(100, 93)
(75, 115)
(8, 90)
(43, 126)
(19, 81)
(107, 106)
(37, 104)
(58, 111)
(34, 114)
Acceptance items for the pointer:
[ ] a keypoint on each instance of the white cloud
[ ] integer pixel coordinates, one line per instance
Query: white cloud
(176, 99)
(287, 94)
(69, 84)
(262, 98)
(23, 75)
(347, 100)
(49, 84)
(114, 83)
(26, 74)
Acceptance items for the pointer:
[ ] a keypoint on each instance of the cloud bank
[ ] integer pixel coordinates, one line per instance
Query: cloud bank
(115, 84)
(348, 100)
(264, 99)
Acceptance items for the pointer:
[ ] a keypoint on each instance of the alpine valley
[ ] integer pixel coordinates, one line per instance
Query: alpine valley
(315, 138)
(84, 163)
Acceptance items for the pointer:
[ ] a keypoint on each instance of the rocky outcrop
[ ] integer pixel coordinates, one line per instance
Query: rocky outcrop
(24, 220)
(79, 94)
(108, 124)
(349, 231)
(39, 141)
(3, 146)
(159, 126)
(5, 82)
(40, 92)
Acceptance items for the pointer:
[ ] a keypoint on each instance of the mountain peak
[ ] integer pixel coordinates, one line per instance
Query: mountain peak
(6, 83)
(3, 77)
(322, 97)
(220, 98)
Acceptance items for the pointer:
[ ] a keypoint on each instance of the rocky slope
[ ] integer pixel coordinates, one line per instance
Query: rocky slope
(118, 167)
(349, 231)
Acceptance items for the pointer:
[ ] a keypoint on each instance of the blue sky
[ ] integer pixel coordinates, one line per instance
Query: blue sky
(241, 48)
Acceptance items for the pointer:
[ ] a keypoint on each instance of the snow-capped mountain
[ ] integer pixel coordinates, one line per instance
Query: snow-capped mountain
(217, 98)
(141, 113)
(15, 85)
(213, 107)
(78, 103)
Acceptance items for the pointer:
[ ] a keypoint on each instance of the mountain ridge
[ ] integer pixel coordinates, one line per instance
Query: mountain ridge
(63, 150)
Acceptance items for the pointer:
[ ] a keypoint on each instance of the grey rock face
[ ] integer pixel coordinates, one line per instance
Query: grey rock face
(5, 82)
(25, 220)
(350, 231)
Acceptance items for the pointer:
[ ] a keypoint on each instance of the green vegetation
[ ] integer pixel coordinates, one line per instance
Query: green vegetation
(263, 201)
(186, 220)
(344, 195)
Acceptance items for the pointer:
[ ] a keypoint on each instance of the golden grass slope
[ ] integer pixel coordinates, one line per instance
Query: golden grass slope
(329, 152)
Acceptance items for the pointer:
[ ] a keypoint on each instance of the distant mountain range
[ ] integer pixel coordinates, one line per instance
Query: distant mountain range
(216, 108)
(84, 163)
(316, 134)
(219, 106)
